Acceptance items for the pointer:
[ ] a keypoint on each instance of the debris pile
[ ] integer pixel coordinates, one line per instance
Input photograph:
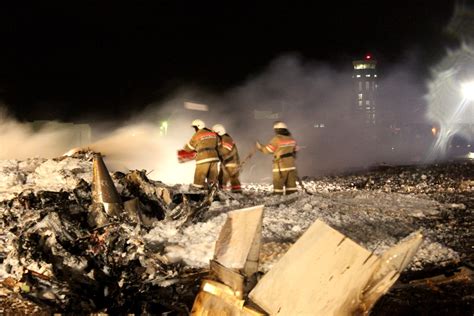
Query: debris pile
(151, 256)
(323, 273)
(447, 177)
(55, 250)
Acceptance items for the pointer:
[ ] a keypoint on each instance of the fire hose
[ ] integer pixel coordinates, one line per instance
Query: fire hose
(301, 184)
(244, 161)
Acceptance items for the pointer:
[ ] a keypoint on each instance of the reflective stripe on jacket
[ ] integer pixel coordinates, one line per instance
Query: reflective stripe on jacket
(204, 143)
(228, 151)
(283, 149)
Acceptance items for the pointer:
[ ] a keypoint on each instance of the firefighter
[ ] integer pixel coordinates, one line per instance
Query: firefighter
(204, 143)
(229, 157)
(283, 148)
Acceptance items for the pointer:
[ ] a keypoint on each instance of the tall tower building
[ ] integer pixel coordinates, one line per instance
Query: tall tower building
(365, 88)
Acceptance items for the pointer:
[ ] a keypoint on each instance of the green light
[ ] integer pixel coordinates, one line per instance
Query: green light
(164, 128)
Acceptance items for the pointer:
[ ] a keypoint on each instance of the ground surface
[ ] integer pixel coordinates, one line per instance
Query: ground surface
(376, 208)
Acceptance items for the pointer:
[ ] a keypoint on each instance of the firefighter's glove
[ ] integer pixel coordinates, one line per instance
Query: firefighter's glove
(259, 146)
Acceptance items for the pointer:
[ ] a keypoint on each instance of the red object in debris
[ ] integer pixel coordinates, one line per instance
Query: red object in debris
(184, 156)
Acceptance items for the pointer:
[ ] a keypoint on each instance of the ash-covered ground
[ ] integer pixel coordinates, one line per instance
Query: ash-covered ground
(51, 261)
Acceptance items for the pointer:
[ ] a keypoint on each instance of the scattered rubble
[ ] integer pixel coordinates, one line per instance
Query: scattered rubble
(158, 254)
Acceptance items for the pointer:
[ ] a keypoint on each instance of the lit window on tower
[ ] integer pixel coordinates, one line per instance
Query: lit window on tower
(367, 65)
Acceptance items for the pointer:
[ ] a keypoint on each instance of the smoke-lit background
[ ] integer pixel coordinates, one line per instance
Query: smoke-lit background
(302, 92)
(296, 89)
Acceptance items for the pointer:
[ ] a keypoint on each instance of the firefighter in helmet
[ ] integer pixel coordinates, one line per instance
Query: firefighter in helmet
(283, 148)
(229, 157)
(204, 143)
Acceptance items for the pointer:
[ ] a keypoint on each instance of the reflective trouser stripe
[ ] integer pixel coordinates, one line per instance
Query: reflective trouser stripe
(225, 177)
(284, 179)
(231, 165)
(205, 160)
(284, 169)
(206, 172)
(233, 187)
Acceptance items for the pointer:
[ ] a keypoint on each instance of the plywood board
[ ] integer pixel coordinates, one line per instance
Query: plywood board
(323, 273)
(240, 238)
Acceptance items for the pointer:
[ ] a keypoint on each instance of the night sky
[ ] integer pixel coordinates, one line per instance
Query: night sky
(72, 59)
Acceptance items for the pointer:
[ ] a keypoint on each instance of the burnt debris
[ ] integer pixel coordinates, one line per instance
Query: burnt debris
(51, 253)
(84, 251)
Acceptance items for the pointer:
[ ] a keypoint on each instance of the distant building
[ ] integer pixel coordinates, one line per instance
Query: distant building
(365, 90)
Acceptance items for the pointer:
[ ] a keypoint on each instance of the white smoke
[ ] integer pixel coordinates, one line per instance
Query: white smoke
(301, 93)
(304, 94)
(41, 139)
(448, 105)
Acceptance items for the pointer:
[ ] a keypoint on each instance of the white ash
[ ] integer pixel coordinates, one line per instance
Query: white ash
(42, 174)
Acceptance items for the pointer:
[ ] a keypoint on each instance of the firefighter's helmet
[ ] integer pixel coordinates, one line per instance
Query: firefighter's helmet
(198, 123)
(219, 129)
(279, 124)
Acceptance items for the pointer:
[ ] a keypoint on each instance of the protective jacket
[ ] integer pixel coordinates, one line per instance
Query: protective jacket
(283, 149)
(228, 151)
(204, 143)
(229, 171)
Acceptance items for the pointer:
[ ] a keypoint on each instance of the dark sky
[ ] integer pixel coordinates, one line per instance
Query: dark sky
(68, 58)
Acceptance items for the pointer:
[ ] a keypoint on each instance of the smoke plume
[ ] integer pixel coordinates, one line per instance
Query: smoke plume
(449, 107)
(314, 100)
(25, 140)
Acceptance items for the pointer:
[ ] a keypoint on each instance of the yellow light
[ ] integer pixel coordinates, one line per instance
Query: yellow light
(434, 131)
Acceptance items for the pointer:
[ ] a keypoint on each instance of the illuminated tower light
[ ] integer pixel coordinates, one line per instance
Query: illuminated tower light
(365, 86)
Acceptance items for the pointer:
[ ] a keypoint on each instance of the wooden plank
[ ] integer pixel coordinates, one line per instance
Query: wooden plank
(326, 273)
(240, 239)
(323, 273)
(229, 277)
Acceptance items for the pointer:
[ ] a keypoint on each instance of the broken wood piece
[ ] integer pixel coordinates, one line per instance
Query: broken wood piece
(229, 277)
(326, 273)
(239, 242)
(215, 298)
(235, 260)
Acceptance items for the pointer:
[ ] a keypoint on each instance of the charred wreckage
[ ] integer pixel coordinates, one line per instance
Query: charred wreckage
(101, 243)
